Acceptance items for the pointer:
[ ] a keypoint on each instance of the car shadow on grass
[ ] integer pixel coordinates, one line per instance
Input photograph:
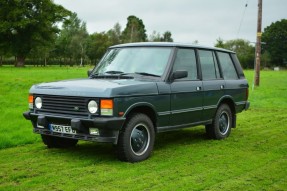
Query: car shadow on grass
(101, 152)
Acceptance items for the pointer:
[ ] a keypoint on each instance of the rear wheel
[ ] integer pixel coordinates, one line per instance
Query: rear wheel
(58, 142)
(222, 122)
(136, 139)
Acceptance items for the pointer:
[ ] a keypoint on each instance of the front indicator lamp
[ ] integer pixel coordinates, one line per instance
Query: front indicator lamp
(31, 100)
(107, 106)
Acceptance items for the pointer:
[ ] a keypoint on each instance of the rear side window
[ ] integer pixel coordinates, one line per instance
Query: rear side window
(227, 66)
(209, 66)
(186, 60)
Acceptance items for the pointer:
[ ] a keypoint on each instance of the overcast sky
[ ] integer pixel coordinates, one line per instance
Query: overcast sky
(188, 20)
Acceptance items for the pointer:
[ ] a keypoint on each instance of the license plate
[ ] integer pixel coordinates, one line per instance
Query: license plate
(62, 129)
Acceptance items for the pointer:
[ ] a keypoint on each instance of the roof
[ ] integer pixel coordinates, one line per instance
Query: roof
(167, 44)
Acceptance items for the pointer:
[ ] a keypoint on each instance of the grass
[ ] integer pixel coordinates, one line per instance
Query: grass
(254, 157)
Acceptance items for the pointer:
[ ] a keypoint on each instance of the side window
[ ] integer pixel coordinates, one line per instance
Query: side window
(209, 66)
(227, 66)
(186, 60)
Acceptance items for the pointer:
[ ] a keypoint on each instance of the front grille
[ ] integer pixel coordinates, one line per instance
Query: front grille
(66, 105)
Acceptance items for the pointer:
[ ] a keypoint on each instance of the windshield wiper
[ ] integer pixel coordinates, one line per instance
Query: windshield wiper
(147, 74)
(114, 72)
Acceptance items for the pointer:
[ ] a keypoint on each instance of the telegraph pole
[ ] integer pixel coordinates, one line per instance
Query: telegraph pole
(258, 44)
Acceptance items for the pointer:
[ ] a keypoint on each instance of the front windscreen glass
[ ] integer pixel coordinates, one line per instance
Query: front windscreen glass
(139, 60)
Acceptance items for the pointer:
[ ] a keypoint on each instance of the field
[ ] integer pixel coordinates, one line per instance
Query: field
(254, 157)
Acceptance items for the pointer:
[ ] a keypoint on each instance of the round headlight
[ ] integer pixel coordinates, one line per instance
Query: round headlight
(92, 106)
(38, 103)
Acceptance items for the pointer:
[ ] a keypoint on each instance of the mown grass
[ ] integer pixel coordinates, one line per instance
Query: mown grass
(254, 157)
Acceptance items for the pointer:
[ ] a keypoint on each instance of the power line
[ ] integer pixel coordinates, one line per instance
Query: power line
(242, 17)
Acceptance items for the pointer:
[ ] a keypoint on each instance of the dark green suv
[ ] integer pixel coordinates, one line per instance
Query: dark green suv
(138, 90)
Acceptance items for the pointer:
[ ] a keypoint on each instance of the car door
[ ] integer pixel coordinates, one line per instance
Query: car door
(213, 83)
(186, 93)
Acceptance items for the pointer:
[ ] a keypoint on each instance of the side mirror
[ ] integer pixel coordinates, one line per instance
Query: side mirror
(90, 72)
(179, 74)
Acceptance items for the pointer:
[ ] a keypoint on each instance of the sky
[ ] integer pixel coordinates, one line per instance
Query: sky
(188, 20)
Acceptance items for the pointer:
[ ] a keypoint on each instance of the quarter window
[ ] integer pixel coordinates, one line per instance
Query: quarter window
(227, 66)
(186, 60)
(209, 66)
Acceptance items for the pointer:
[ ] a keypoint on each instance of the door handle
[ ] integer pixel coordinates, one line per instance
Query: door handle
(198, 88)
(222, 87)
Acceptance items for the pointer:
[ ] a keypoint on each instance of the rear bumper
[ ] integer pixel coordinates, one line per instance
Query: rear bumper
(247, 105)
(108, 127)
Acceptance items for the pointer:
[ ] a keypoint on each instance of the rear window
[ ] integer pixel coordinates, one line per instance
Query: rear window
(227, 66)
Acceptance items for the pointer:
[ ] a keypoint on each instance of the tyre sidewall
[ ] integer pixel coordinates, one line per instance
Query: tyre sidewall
(125, 151)
(222, 110)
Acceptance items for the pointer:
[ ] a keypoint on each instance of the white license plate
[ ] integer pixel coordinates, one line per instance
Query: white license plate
(62, 129)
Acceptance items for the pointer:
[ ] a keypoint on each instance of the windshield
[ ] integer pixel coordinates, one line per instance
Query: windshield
(140, 60)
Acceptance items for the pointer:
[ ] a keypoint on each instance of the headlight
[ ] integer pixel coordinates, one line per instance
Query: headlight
(38, 103)
(92, 106)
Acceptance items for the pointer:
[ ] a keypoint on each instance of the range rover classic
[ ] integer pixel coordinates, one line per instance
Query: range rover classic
(138, 90)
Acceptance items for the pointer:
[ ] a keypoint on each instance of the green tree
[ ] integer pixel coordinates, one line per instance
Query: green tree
(72, 40)
(157, 37)
(26, 24)
(134, 31)
(97, 46)
(275, 37)
(115, 34)
(243, 48)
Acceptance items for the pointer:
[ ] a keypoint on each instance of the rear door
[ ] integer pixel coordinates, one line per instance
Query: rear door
(213, 83)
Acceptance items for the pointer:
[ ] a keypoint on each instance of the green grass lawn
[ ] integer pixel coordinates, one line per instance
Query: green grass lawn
(254, 157)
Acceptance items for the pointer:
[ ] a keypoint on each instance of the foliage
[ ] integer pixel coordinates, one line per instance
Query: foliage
(245, 51)
(72, 40)
(252, 158)
(134, 31)
(157, 37)
(275, 37)
(28, 23)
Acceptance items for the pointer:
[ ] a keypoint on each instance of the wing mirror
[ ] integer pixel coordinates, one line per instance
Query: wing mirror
(89, 72)
(179, 74)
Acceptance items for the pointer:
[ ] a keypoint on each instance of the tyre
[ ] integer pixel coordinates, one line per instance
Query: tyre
(58, 142)
(221, 125)
(136, 139)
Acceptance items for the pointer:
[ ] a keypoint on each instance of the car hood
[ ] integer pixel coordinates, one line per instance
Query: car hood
(96, 88)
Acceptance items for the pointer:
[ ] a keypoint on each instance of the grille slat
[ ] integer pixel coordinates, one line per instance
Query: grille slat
(66, 105)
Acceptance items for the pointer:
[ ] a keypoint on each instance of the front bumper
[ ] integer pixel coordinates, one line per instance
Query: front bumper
(109, 127)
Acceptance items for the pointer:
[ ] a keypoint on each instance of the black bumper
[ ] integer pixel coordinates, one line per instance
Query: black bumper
(109, 127)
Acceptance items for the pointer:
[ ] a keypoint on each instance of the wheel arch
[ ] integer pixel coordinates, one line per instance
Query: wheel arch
(145, 108)
(230, 102)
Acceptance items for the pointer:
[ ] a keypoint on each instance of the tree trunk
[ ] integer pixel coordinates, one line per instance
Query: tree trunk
(20, 61)
(1, 61)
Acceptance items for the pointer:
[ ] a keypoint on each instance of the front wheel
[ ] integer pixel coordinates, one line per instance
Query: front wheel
(221, 125)
(136, 139)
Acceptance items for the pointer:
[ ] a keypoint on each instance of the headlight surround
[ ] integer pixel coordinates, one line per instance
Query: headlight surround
(93, 106)
(38, 102)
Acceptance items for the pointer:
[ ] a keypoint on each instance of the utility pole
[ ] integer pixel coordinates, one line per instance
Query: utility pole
(258, 44)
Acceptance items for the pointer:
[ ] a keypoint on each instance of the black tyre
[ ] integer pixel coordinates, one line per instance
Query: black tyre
(221, 125)
(58, 142)
(136, 140)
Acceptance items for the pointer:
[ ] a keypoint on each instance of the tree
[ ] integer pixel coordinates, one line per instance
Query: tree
(134, 31)
(115, 34)
(275, 37)
(157, 37)
(27, 24)
(72, 40)
(97, 46)
(243, 48)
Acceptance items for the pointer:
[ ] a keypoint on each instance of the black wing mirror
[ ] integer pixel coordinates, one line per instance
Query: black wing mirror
(90, 72)
(179, 74)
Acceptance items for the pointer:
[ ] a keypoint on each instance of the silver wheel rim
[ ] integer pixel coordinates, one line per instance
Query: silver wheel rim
(139, 139)
(224, 123)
